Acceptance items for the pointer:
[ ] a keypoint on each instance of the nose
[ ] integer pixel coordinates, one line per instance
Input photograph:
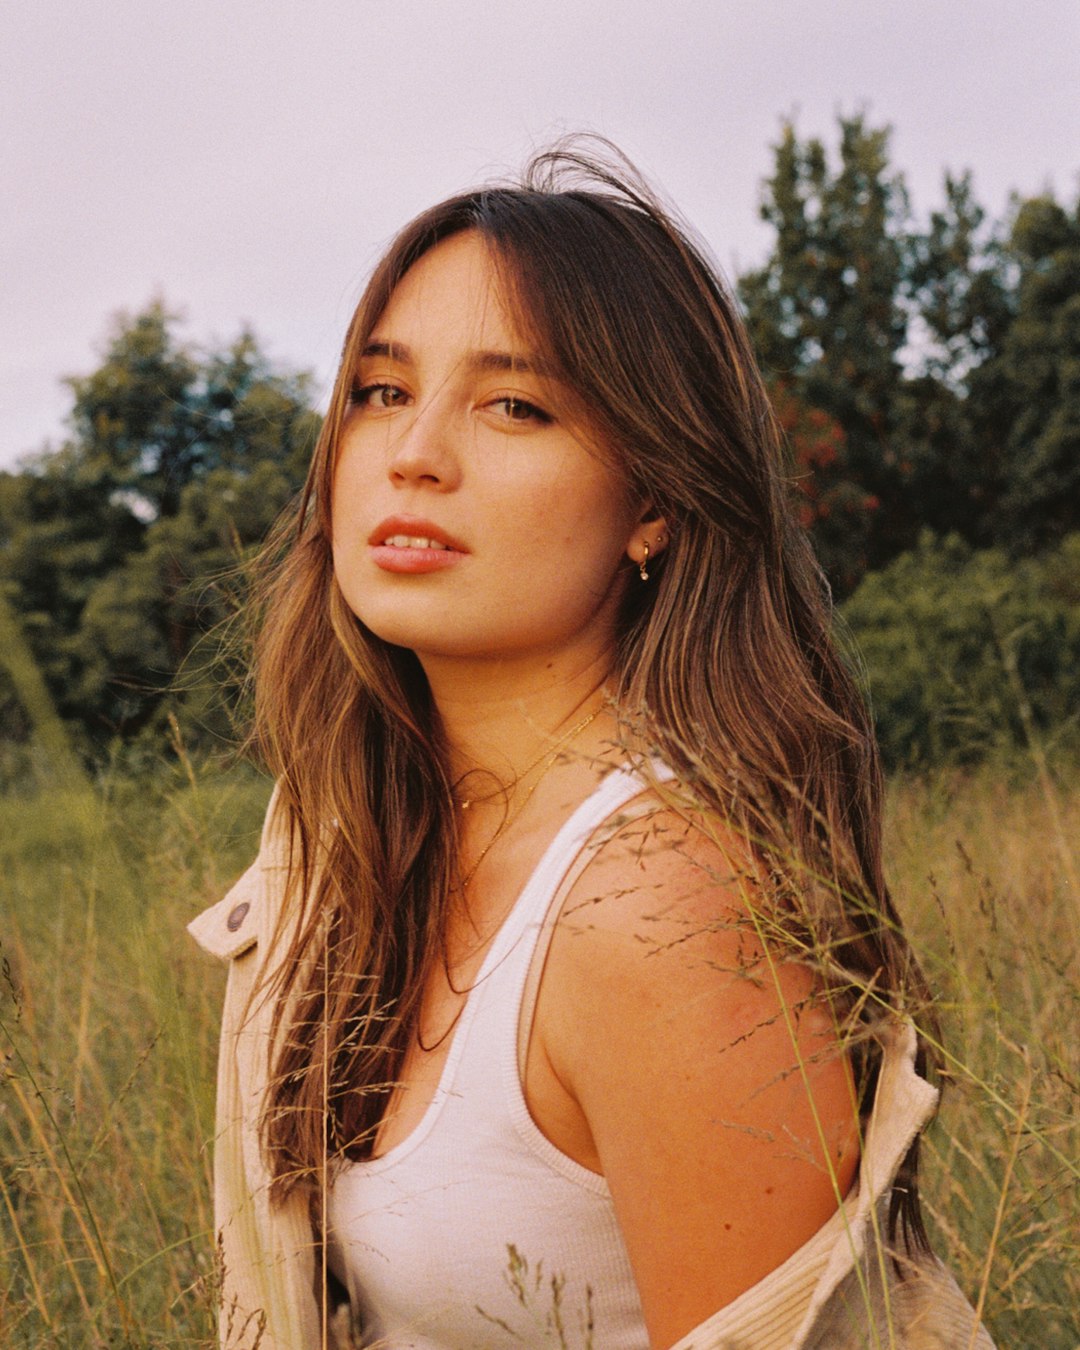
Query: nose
(424, 450)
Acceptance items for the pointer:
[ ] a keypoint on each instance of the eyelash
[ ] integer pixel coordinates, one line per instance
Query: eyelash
(530, 410)
(360, 394)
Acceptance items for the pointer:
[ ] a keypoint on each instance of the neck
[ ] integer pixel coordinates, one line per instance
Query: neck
(498, 715)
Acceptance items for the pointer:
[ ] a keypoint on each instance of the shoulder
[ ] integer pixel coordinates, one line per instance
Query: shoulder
(666, 889)
(703, 1058)
(670, 906)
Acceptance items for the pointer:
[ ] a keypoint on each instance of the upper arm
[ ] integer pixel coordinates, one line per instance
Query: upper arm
(706, 1066)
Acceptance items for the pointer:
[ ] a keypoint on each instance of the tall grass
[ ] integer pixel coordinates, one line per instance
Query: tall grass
(986, 869)
(109, 1018)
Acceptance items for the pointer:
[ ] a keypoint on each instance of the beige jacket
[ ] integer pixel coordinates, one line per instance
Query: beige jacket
(839, 1292)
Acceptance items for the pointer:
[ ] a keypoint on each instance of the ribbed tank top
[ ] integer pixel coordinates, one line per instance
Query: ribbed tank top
(475, 1232)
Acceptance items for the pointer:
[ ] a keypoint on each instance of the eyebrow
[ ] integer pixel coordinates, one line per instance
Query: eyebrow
(482, 360)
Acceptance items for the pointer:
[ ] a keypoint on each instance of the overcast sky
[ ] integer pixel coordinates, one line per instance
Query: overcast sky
(247, 159)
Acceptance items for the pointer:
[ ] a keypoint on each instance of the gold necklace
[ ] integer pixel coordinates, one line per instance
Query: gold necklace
(507, 788)
(551, 754)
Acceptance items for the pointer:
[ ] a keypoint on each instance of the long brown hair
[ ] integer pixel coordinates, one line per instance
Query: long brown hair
(727, 661)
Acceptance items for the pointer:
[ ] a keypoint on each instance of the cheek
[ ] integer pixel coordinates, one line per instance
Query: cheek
(348, 527)
(350, 489)
(576, 545)
(583, 501)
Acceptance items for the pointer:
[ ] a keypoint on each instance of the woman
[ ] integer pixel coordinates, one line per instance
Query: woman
(567, 1004)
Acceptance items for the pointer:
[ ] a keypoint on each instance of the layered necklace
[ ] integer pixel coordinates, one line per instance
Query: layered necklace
(548, 759)
(544, 762)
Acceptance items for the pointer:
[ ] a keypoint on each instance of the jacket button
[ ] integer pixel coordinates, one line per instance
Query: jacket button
(237, 916)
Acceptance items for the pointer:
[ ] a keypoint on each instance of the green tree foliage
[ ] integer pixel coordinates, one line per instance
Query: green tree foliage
(960, 309)
(177, 464)
(968, 651)
(947, 355)
(1025, 400)
(827, 316)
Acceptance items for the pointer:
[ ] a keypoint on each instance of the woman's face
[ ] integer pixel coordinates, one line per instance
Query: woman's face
(469, 520)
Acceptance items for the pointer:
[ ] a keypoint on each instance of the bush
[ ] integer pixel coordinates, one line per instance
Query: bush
(970, 652)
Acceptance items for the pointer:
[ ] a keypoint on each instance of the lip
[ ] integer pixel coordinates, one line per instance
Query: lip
(413, 560)
(416, 526)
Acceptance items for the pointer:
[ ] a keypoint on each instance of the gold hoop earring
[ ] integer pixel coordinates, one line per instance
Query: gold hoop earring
(643, 566)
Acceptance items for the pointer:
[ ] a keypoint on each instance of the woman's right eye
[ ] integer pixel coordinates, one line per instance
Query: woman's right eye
(378, 395)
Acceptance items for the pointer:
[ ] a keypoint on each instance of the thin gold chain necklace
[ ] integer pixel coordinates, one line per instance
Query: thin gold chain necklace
(551, 755)
(507, 788)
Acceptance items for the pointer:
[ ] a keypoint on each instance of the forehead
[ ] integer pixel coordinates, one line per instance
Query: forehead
(455, 294)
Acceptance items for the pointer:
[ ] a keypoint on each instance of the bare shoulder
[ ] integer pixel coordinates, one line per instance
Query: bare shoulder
(664, 872)
(669, 894)
(702, 1057)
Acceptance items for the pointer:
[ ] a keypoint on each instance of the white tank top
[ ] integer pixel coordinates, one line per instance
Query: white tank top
(475, 1232)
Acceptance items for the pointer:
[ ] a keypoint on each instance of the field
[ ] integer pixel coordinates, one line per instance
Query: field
(109, 1018)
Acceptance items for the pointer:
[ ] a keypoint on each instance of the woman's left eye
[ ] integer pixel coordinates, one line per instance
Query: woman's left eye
(519, 410)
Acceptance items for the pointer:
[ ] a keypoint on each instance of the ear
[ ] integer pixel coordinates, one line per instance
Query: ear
(650, 532)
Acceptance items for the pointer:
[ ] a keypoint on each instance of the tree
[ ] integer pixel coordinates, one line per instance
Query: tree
(946, 355)
(826, 314)
(138, 419)
(157, 415)
(960, 309)
(1025, 400)
(177, 464)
